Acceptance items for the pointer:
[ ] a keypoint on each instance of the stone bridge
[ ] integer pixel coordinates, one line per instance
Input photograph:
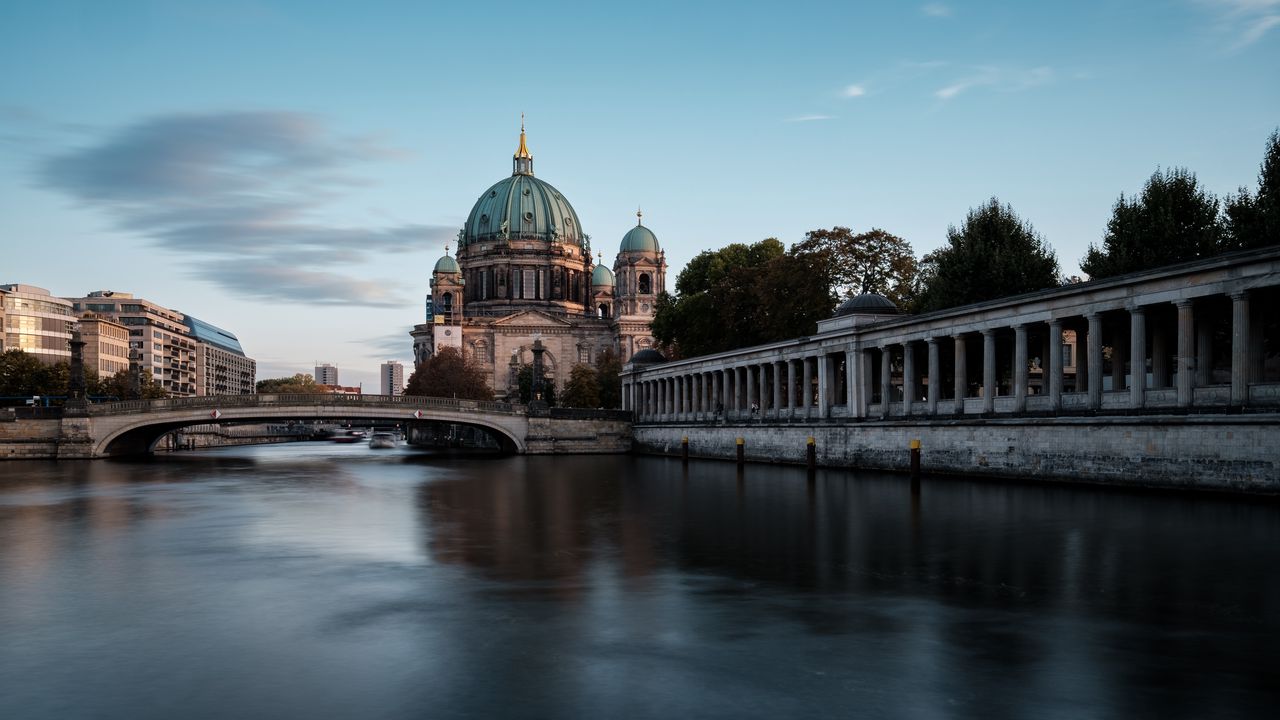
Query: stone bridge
(135, 427)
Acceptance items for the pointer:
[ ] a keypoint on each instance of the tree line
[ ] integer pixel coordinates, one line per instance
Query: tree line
(23, 375)
(743, 295)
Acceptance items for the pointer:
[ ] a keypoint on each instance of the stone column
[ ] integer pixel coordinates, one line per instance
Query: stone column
(908, 377)
(1240, 338)
(935, 365)
(680, 393)
(865, 380)
(1159, 357)
(988, 371)
(763, 394)
(777, 388)
(1021, 363)
(1204, 349)
(1118, 352)
(792, 403)
(823, 390)
(1053, 365)
(1095, 361)
(962, 373)
(851, 386)
(806, 388)
(1137, 357)
(886, 379)
(1185, 352)
(1082, 361)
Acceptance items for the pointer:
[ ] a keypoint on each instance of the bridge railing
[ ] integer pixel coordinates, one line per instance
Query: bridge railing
(303, 399)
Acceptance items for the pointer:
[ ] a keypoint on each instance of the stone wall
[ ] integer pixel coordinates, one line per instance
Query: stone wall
(1219, 452)
(28, 439)
(559, 436)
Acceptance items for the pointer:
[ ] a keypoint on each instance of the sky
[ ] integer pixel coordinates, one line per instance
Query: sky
(291, 171)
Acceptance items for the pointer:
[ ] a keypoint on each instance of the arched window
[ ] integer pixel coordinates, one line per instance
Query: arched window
(646, 284)
(603, 310)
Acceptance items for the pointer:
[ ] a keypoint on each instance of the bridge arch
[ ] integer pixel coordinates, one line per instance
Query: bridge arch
(135, 428)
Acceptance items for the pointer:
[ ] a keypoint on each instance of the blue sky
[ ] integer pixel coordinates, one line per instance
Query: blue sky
(290, 171)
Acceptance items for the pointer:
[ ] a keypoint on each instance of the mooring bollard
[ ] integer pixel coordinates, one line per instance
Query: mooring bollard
(684, 449)
(742, 456)
(915, 466)
(811, 454)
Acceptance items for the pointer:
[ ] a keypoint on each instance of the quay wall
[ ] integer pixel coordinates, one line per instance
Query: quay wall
(1212, 452)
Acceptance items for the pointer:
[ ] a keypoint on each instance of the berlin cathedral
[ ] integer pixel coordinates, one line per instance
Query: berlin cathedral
(523, 271)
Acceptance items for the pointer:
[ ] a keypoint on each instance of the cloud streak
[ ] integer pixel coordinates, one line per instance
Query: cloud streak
(1245, 21)
(810, 118)
(239, 191)
(935, 10)
(999, 79)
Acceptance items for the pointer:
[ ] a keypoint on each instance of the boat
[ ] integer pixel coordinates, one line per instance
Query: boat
(383, 440)
(351, 436)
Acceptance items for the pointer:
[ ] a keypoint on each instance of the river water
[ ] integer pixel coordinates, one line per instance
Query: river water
(326, 581)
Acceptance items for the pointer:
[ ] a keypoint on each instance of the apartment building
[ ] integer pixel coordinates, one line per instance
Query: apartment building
(392, 375)
(106, 346)
(326, 374)
(36, 322)
(222, 368)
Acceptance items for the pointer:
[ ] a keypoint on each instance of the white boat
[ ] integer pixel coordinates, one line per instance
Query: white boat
(383, 440)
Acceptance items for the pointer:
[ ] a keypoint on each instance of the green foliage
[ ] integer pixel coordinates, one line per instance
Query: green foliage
(24, 375)
(582, 390)
(300, 384)
(874, 261)
(1173, 220)
(448, 374)
(609, 378)
(742, 295)
(119, 386)
(994, 254)
(524, 383)
(1253, 221)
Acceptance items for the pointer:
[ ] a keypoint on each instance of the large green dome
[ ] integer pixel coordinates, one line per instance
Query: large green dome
(529, 207)
(639, 239)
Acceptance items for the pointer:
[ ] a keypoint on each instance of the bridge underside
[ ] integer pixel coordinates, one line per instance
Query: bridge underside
(142, 438)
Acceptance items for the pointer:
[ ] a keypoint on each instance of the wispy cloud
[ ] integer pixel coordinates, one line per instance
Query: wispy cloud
(240, 191)
(810, 118)
(996, 78)
(935, 10)
(853, 91)
(1245, 22)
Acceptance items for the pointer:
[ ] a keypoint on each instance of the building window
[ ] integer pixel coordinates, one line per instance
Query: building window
(646, 284)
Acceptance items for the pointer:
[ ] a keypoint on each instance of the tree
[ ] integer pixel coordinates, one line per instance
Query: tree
(994, 254)
(524, 386)
(869, 262)
(609, 377)
(1173, 220)
(24, 375)
(743, 295)
(120, 386)
(582, 389)
(1253, 221)
(448, 374)
(300, 384)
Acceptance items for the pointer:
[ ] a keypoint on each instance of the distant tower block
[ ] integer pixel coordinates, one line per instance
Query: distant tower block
(326, 374)
(392, 375)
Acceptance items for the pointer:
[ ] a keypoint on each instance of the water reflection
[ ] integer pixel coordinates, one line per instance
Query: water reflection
(332, 582)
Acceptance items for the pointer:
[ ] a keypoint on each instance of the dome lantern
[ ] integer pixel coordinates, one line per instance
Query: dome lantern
(522, 161)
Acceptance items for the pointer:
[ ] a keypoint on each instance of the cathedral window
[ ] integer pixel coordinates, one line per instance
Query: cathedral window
(646, 284)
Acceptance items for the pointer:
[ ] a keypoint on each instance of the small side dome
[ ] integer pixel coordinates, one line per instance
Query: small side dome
(602, 277)
(639, 239)
(648, 356)
(867, 304)
(447, 264)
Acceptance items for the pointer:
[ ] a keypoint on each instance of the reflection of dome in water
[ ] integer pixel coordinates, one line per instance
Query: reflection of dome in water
(867, 304)
(648, 356)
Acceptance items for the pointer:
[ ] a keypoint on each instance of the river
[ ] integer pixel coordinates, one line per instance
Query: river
(327, 581)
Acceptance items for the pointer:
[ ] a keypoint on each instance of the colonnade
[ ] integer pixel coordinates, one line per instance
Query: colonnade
(1131, 353)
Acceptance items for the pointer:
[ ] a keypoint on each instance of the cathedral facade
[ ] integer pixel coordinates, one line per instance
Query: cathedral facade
(523, 271)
